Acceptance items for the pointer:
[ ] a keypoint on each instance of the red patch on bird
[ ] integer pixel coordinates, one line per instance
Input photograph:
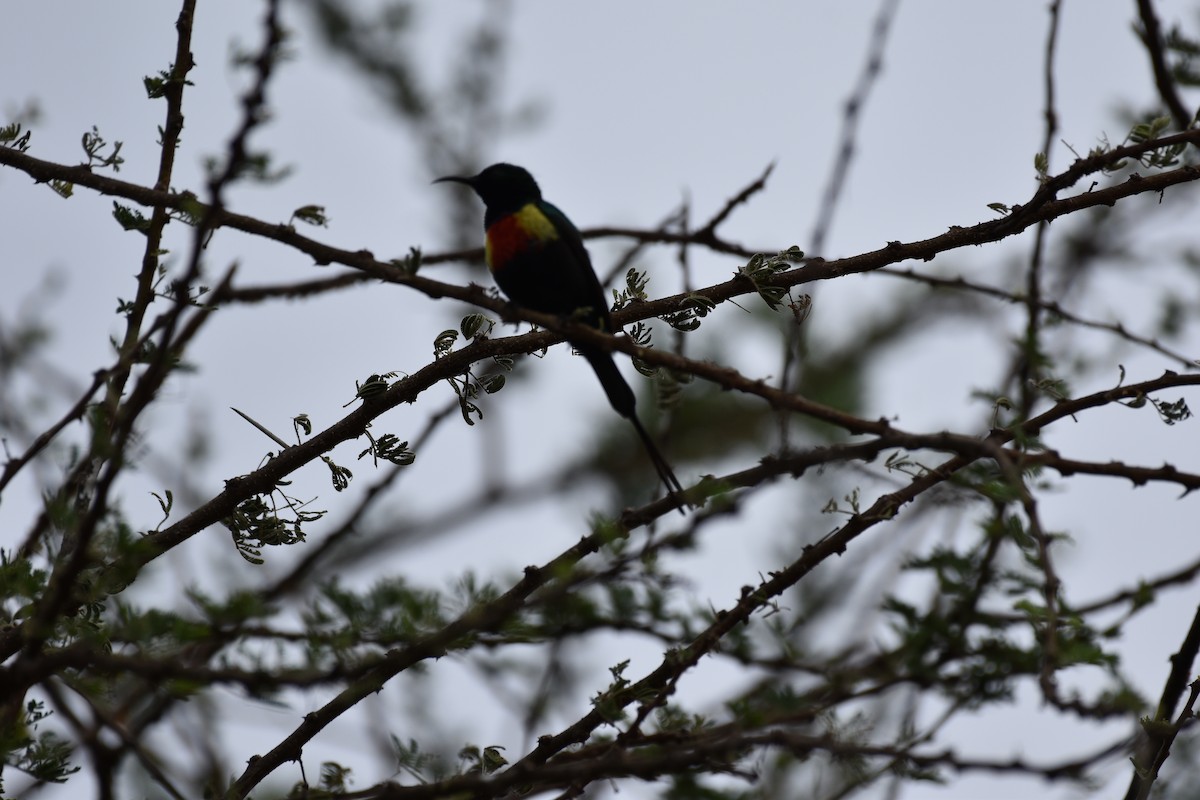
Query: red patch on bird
(505, 239)
(516, 234)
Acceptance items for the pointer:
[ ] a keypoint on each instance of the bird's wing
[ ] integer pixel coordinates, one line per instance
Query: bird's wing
(569, 235)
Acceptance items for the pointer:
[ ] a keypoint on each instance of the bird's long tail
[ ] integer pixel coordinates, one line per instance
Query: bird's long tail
(619, 394)
(624, 402)
(665, 473)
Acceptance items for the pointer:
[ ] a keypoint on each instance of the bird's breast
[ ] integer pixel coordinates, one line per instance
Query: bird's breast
(521, 232)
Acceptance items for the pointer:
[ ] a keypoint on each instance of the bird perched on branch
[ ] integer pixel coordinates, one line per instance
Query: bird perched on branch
(538, 259)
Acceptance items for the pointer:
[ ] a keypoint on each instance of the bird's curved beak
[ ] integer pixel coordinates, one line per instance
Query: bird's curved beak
(457, 179)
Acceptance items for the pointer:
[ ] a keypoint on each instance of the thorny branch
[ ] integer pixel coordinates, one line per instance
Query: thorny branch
(550, 762)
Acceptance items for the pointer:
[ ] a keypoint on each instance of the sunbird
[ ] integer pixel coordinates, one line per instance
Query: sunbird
(538, 259)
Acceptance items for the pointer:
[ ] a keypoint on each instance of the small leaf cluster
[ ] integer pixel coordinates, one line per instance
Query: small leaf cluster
(1186, 52)
(374, 385)
(389, 448)
(93, 147)
(44, 756)
(634, 291)
(642, 336)
(11, 136)
(1160, 157)
(761, 268)
(468, 387)
(342, 625)
(481, 760)
(410, 263)
(255, 524)
(310, 215)
(1171, 412)
(694, 308)
(974, 655)
(156, 85)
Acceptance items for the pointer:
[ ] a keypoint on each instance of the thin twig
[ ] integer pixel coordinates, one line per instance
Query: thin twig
(1028, 370)
(1151, 36)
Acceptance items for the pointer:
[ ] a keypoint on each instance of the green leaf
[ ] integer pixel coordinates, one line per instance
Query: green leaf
(156, 85)
(130, 219)
(390, 448)
(301, 422)
(410, 263)
(165, 503)
(311, 215)
(11, 137)
(93, 148)
(63, 189)
(1041, 164)
(373, 386)
(476, 326)
(492, 383)
(444, 342)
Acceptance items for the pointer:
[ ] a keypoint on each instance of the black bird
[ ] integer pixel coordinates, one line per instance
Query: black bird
(538, 259)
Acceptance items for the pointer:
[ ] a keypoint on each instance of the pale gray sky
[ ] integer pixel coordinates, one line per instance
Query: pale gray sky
(646, 102)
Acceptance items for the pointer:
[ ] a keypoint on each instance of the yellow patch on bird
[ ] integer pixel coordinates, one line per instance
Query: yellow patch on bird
(510, 236)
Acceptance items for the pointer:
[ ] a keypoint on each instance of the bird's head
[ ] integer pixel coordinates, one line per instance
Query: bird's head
(503, 188)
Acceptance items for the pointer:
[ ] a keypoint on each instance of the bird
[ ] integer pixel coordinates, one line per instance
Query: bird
(537, 258)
